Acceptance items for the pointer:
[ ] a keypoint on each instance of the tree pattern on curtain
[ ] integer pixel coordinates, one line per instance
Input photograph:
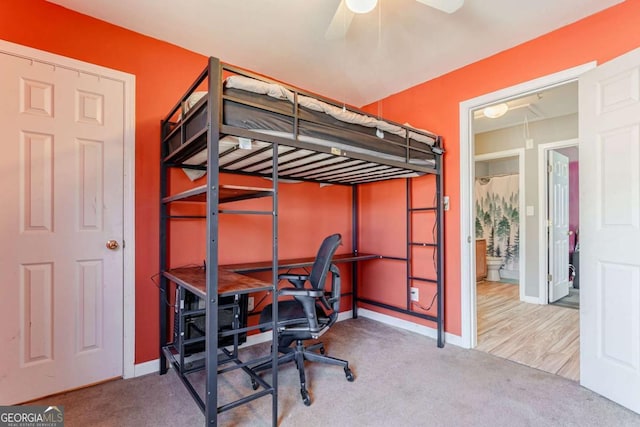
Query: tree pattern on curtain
(497, 218)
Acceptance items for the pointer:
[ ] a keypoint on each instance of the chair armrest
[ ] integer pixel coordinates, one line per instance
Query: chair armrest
(297, 292)
(287, 276)
(296, 280)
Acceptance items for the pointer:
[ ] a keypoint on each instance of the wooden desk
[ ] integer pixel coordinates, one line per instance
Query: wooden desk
(229, 283)
(254, 267)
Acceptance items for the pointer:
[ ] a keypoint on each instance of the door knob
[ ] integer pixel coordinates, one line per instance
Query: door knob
(112, 244)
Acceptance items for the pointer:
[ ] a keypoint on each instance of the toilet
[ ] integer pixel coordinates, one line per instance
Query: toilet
(493, 268)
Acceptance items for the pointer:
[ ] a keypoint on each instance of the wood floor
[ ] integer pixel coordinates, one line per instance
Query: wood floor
(545, 337)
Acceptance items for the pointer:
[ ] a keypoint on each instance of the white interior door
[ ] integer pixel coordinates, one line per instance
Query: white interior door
(558, 204)
(61, 305)
(610, 230)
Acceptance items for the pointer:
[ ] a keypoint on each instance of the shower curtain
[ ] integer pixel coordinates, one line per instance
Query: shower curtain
(497, 219)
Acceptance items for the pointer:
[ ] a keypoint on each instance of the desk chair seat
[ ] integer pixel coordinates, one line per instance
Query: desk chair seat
(310, 314)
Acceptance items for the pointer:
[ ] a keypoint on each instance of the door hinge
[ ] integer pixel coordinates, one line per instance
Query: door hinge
(549, 168)
(549, 278)
(549, 223)
(124, 244)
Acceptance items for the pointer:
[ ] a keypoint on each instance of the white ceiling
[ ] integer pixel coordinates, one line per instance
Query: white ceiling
(398, 45)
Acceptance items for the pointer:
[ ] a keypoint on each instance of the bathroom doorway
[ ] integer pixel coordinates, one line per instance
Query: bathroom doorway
(499, 202)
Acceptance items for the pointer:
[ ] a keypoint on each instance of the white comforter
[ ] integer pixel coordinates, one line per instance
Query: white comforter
(280, 92)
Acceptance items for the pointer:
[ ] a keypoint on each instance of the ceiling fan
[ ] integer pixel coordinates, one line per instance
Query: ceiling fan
(347, 9)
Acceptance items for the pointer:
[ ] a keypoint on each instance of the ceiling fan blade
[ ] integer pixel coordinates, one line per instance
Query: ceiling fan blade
(339, 23)
(448, 6)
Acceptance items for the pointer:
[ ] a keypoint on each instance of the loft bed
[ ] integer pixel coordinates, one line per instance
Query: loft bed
(318, 140)
(237, 122)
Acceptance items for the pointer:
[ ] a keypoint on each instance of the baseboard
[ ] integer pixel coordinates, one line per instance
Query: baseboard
(510, 274)
(153, 366)
(345, 315)
(146, 368)
(410, 326)
(531, 300)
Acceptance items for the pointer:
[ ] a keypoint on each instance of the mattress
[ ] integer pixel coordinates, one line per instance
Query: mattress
(270, 109)
(276, 91)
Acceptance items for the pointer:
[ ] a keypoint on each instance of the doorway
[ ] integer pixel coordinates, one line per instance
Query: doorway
(499, 195)
(515, 322)
(467, 168)
(562, 266)
(511, 322)
(608, 97)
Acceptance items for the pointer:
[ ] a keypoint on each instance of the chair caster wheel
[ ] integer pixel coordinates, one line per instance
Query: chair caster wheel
(305, 397)
(349, 375)
(254, 384)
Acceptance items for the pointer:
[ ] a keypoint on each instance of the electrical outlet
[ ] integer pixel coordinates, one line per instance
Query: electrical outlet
(250, 306)
(415, 294)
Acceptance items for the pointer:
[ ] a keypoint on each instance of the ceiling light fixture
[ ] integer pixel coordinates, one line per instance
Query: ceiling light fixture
(495, 111)
(361, 6)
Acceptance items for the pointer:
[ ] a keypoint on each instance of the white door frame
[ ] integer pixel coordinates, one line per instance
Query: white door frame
(519, 153)
(543, 182)
(128, 80)
(467, 174)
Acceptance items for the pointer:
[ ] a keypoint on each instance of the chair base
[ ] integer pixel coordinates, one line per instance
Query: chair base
(299, 354)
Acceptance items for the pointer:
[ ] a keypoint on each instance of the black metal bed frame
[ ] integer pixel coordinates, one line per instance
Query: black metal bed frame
(367, 169)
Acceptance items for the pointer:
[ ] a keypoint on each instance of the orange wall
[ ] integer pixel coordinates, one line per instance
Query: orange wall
(434, 105)
(163, 72)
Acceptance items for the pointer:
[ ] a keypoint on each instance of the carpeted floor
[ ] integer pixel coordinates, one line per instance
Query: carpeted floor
(402, 379)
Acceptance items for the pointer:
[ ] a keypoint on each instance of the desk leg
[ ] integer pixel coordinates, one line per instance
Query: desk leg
(163, 323)
(354, 291)
(355, 247)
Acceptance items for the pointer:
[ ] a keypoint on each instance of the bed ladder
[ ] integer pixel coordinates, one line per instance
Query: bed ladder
(424, 283)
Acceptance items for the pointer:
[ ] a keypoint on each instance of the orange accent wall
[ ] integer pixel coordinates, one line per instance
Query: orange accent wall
(163, 72)
(434, 105)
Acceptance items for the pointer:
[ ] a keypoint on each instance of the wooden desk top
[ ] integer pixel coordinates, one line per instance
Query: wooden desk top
(295, 263)
(229, 283)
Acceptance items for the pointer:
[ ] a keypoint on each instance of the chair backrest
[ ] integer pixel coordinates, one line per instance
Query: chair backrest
(321, 265)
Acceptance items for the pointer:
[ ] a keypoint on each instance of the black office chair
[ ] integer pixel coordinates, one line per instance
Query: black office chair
(308, 315)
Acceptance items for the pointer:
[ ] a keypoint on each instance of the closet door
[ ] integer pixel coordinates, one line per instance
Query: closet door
(61, 304)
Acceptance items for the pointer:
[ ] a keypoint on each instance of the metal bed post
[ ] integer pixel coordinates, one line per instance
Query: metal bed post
(274, 293)
(409, 240)
(355, 246)
(211, 342)
(440, 247)
(163, 286)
